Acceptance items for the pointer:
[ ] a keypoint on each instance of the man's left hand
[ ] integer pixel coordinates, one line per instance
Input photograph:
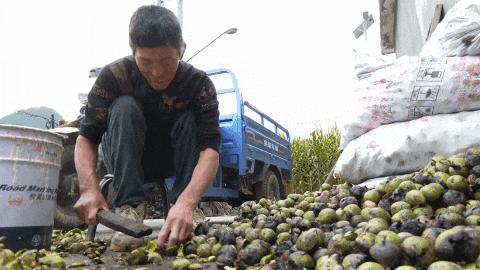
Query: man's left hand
(177, 227)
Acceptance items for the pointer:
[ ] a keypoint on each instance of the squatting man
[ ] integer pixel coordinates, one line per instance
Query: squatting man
(154, 116)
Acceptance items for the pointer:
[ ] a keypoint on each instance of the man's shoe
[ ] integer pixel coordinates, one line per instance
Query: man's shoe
(122, 242)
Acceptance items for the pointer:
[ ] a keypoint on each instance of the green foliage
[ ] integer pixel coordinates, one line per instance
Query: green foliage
(313, 159)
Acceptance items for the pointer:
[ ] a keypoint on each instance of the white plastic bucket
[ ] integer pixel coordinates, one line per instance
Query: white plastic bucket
(30, 161)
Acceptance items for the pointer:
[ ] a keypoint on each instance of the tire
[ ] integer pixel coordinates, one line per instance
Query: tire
(68, 193)
(271, 187)
(68, 190)
(68, 163)
(66, 219)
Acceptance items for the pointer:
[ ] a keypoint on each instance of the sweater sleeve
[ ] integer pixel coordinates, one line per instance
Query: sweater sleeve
(206, 113)
(100, 98)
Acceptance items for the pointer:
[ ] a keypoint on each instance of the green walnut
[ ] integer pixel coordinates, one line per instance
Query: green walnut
(441, 163)
(372, 195)
(444, 265)
(301, 260)
(268, 235)
(392, 185)
(426, 211)
(52, 260)
(407, 185)
(216, 249)
(327, 216)
(432, 191)
(193, 266)
(309, 215)
(376, 225)
(404, 235)
(204, 250)
(338, 244)
(375, 212)
(282, 237)
(304, 206)
(352, 209)
(457, 182)
(472, 203)
(397, 206)
(384, 237)
(371, 266)
(180, 264)
(282, 227)
(310, 239)
(415, 198)
(328, 262)
(325, 186)
(365, 241)
(264, 202)
(441, 177)
(6, 256)
(252, 234)
(406, 267)
(473, 220)
(262, 211)
(458, 165)
(418, 250)
(403, 215)
(352, 261)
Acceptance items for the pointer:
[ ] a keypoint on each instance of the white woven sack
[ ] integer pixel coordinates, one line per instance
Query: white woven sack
(406, 147)
(411, 88)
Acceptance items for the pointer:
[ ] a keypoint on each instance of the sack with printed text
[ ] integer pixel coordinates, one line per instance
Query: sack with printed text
(410, 88)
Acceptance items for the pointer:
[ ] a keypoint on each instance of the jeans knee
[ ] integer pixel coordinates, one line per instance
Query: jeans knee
(185, 120)
(126, 110)
(126, 105)
(184, 129)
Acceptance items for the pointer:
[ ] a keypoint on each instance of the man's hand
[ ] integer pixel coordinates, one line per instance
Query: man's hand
(91, 199)
(179, 223)
(177, 227)
(88, 205)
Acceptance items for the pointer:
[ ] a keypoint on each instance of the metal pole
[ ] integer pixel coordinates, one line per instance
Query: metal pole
(180, 12)
(52, 121)
(228, 32)
(156, 224)
(205, 47)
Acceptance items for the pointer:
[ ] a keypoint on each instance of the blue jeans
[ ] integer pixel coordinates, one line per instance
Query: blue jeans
(135, 151)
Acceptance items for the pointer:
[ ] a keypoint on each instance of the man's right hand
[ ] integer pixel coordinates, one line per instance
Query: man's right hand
(88, 205)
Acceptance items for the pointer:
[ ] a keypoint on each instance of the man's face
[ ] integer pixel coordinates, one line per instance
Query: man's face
(158, 65)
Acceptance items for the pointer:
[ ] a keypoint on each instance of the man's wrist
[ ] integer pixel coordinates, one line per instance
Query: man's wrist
(189, 203)
(89, 189)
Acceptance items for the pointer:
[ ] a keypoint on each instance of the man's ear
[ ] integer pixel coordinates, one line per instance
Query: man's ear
(182, 49)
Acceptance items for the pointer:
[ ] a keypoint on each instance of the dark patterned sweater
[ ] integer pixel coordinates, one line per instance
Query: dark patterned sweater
(191, 89)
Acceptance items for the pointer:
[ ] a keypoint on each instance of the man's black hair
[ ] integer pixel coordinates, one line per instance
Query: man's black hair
(153, 26)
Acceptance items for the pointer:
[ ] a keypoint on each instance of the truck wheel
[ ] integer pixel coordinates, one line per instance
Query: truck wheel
(65, 217)
(68, 193)
(270, 188)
